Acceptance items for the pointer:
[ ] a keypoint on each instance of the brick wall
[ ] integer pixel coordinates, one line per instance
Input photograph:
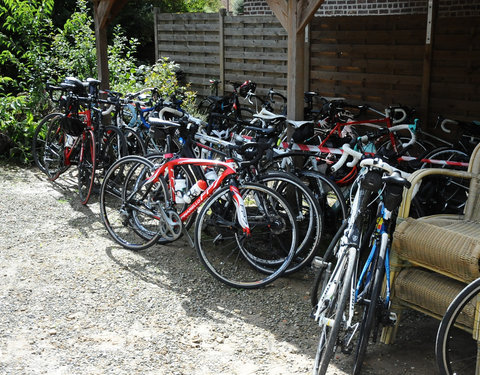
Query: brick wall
(455, 8)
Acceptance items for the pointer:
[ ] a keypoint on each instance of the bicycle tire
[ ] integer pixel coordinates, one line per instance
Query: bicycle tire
(309, 215)
(86, 166)
(121, 195)
(134, 143)
(234, 258)
(48, 146)
(317, 281)
(330, 197)
(329, 335)
(111, 146)
(452, 340)
(443, 194)
(370, 315)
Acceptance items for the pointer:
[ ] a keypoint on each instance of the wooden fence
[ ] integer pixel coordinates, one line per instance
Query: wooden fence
(220, 46)
(379, 60)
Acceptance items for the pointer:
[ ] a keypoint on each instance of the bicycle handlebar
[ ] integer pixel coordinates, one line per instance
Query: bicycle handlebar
(377, 163)
(357, 156)
(445, 122)
(347, 151)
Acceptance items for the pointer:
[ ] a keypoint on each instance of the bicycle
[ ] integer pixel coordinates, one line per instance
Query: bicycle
(245, 234)
(456, 345)
(336, 292)
(77, 136)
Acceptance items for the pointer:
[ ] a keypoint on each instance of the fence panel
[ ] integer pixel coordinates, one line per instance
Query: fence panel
(371, 59)
(256, 49)
(191, 40)
(455, 87)
(368, 59)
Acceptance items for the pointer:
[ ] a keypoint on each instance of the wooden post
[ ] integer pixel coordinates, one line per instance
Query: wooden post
(427, 60)
(100, 15)
(306, 69)
(155, 33)
(295, 76)
(221, 54)
(294, 15)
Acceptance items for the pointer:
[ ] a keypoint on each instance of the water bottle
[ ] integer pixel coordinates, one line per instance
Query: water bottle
(70, 140)
(194, 191)
(180, 186)
(210, 175)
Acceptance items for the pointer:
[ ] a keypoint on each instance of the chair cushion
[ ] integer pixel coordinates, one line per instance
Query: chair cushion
(449, 247)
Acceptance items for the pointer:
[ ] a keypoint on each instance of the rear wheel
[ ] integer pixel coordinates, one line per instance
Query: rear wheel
(443, 194)
(111, 147)
(48, 146)
(86, 166)
(307, 212)
(236, 258)
(134, 143)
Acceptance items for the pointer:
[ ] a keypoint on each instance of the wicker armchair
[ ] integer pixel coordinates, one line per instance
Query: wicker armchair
(434, 257)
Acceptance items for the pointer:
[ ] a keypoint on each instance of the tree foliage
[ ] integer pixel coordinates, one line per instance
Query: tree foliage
(33, 50)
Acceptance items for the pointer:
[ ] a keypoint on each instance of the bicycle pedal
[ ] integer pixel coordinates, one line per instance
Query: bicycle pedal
(392, 318)
(318, 263)
(389, 320)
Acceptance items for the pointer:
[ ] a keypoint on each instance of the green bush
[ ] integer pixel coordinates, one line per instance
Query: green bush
(68, 52)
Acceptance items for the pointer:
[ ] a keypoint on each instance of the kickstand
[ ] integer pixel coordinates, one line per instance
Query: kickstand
(189, 239)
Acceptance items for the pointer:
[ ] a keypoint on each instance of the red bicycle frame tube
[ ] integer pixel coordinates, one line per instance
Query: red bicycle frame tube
(339, 125)
(229, 169)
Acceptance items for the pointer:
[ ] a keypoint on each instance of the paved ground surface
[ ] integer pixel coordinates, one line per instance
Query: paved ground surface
(73, 302)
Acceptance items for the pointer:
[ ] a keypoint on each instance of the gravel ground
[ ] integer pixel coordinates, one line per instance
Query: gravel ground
(73, 302)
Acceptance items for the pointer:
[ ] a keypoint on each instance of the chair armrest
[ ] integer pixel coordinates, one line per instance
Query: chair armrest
(417, 176)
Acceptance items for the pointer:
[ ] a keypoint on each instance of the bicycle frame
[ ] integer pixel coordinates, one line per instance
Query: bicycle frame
(383, 251)
(229, 169)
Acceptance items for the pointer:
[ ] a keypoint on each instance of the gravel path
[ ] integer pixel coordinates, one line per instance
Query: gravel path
(73, 302)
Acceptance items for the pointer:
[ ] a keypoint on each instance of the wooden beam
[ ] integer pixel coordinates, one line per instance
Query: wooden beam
(103, 12)
(427, 60)
(294, 15)
(306, 12)
(296, 56)
(280, 9)
(221, 36)
(101, 46)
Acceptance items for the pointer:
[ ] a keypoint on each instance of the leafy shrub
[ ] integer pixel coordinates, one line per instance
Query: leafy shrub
(69, 52)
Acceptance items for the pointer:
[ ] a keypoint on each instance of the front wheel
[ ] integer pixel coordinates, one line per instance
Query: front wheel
(456, 349)
(372, 305)
(332, 317)
(238, 259)
(131, 205)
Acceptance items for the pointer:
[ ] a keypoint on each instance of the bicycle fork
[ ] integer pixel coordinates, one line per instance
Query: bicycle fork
(240, 209)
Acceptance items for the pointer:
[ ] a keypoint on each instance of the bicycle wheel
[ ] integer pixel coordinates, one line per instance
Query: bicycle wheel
(372, 305)
(307, 213)
(238, 259)
(86, 166)
(329, 196)
(111, 147)
(134, 143)
(443, 194)
(456, 349)
(130, 205)
(333, 314)
(331, 200)
(48, 146)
